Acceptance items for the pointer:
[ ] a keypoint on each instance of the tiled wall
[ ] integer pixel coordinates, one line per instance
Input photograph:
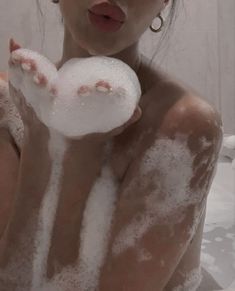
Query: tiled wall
(200, 49)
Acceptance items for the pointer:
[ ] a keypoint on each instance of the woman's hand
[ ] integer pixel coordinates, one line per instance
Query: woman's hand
(34, 129)
(28, 72)
(76, 172)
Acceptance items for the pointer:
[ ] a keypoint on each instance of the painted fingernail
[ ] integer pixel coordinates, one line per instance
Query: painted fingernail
(40, 79)
(103, 86)
(53, 91)
(26, 67)
(36, 79)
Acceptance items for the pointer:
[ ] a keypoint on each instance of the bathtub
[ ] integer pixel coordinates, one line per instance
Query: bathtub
(218, 245)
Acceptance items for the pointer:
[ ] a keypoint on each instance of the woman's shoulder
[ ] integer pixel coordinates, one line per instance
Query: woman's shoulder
(179, 108)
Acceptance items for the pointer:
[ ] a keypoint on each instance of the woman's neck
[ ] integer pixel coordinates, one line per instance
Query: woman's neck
(71, 49)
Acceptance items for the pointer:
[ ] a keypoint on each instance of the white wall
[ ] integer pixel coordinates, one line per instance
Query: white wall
(200, 50)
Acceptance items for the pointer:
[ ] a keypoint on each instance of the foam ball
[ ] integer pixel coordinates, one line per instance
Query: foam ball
(69, 110)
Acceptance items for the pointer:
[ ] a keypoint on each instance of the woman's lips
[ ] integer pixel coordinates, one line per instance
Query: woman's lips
(104, 24)
(106, 9)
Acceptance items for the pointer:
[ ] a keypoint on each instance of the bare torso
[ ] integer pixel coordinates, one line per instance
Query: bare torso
(159, 96)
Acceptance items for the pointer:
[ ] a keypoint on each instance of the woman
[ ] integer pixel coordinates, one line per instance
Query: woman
(163, 160)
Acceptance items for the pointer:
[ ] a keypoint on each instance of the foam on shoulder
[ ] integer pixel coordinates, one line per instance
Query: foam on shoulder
(173, 165)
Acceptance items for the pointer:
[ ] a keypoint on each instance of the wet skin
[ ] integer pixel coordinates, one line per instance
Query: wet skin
(167, 109)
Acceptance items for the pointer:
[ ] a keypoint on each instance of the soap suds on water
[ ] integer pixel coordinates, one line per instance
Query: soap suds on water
(209, 262)
(192, 282)
(230, 235)
(218, 239)
(206, 241)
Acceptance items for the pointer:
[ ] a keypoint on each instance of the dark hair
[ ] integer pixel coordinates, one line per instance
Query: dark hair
(168, 24)
(167, 27)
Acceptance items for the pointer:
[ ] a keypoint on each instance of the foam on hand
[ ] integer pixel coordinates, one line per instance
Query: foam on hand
(60, 104)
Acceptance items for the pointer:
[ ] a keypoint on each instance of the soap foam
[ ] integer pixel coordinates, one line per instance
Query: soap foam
(175, 162)
(209, 262)
(84, 275)
(70, 114)
(144, 255)
(229, 142)
(173, 177)
(98, 112)
(57, 148)
(192, 282)
(95, 233)
(17, 274)
(11, 118)
(205, 143)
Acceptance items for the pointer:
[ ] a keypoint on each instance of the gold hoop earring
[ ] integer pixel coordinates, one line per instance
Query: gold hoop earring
(161, 26)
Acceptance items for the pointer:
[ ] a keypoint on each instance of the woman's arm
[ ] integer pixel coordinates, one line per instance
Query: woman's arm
(163, 198)
(9, 167)
(9, 160)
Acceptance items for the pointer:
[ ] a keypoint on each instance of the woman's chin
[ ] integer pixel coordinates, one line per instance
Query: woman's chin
(95, 51)
(104, 52)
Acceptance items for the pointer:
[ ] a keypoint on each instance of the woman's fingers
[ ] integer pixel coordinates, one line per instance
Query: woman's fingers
(13, 45)
(3, 76)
